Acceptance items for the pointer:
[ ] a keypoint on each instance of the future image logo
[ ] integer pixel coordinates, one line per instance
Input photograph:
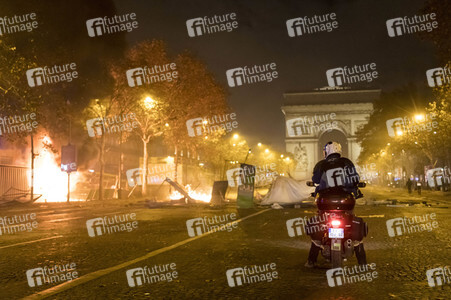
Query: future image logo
(349, 75)
(147, 275)
(438, 177)
(309, 25)
(438, 76)
(354, 274)
(134, 177)
(251, 74)
(50, 275)
(51, 75)
(109, 225)
(17, 124)
(308, 125)
(251, 274)
(235, 177)
(298, 226)
(199, 226)
(405, 225)
(421, 122)
(438, 276)
(408, 25)
(395, 126)
(395, 227)
(111, 124)
(14, 24)
(18, 223)
(151, 74)
(209, 25)
(109, 25)
(342, 176)
(212, 124)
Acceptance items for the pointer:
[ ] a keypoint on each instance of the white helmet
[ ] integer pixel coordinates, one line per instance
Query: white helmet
(331, 148)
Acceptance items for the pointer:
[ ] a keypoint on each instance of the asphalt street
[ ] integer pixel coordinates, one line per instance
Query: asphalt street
(197, 266)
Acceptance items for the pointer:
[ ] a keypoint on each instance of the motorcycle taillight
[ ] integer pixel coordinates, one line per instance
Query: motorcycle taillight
(335, 223)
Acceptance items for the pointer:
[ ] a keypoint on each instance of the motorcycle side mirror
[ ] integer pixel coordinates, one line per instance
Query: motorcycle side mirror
(361, 184)
(310, 183)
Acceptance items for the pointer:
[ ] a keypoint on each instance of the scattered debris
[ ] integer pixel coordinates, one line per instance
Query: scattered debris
(276, 206)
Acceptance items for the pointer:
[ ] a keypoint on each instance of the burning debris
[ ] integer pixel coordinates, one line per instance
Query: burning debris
(49, 180)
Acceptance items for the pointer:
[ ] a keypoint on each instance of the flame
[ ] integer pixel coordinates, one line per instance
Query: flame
(49, 180)
(200, 196)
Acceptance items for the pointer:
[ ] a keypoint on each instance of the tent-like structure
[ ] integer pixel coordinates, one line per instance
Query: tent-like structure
(286, 190)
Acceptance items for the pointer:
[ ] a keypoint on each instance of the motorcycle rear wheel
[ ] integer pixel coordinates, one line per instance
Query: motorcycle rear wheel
(335, 258)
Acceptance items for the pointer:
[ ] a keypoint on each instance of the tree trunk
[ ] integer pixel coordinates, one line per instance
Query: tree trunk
(176, 163)
(144, 168)
(121, 167)
(32, 170)
(102, 165)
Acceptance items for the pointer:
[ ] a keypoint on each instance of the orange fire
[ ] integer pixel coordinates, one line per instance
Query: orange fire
(49, 180)
(200, 196)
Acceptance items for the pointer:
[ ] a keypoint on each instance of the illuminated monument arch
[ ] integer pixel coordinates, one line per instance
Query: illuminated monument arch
(305, 136)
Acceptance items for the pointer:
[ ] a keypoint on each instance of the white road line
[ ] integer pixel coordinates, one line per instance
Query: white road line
(30, 242)
(65, 219)
(372, 216)
(96, 274)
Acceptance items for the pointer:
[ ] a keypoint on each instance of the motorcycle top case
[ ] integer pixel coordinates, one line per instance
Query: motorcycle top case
(335, 199)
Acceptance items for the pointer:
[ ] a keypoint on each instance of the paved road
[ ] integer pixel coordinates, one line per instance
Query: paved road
(161, 239)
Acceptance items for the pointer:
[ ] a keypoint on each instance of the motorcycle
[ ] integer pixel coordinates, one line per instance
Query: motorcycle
(340, 233)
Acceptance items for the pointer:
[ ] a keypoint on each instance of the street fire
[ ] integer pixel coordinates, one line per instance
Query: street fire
(200, 196)
(49, 180)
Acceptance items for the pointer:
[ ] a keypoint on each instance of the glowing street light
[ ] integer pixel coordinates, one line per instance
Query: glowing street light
(267, 150)
(236, 136)
(149, 103)
(419, 117)
(281, 155)
(259, 144)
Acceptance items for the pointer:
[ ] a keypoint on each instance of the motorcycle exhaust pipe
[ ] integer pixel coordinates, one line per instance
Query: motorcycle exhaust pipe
(349, 247)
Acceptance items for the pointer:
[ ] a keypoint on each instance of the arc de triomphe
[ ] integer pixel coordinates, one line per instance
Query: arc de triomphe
(314, 118)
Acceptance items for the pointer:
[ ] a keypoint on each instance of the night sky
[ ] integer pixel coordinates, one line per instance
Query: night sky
(302, 61)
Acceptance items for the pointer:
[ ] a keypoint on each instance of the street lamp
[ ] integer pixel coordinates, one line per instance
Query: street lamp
(236, 136)
(419, 117)
(149, 103)
(259, 144)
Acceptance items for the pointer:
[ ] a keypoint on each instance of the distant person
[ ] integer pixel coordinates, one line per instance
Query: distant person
(409, 185)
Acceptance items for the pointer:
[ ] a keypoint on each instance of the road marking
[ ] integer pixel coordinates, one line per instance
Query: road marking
(96, 274)
(65, 219)
(35, 241)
